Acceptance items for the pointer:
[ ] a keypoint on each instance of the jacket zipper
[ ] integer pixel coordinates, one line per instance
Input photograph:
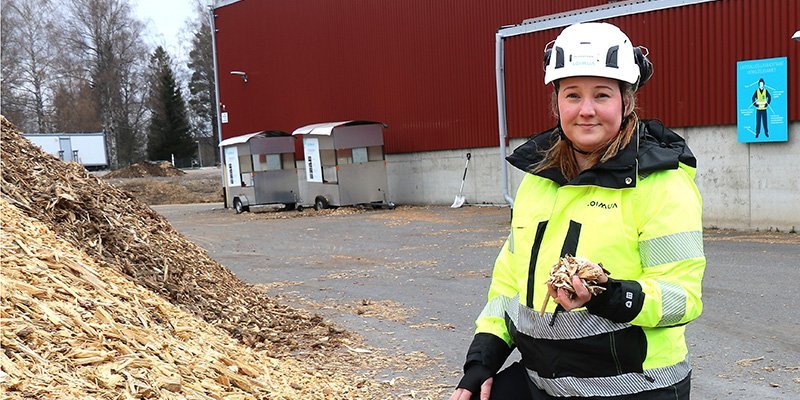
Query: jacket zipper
(614, 353)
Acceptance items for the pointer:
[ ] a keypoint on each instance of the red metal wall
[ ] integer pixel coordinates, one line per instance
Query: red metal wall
(694, 50)
(426, 68)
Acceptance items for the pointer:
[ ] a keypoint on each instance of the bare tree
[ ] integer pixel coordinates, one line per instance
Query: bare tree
(104, 38)
(10, 106)
(29, 28)
(75, 107)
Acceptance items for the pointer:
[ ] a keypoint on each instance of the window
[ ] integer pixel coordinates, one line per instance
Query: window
(344, 156)
(328, 159)
(360, 155)
(247, 179)
(245, 164)
(259, 161)
(246, 169)
(287, 159)
(273, 162)
(266, 162)
(375, 153)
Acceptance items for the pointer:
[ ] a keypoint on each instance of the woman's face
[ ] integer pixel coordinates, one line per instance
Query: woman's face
(590, 110)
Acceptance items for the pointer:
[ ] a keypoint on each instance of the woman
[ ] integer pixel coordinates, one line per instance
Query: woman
(617, 191)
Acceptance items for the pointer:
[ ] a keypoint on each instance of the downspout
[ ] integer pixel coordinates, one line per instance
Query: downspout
(501, 116)
(212, 15)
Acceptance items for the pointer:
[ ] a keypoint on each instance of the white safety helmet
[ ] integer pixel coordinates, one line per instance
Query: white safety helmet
(596, 49)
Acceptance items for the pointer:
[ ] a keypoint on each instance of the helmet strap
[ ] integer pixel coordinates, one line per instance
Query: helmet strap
(622, 111)
(563, 136)
(624, 120)
(577, 150)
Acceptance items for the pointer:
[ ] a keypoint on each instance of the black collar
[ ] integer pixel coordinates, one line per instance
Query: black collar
(653, 148)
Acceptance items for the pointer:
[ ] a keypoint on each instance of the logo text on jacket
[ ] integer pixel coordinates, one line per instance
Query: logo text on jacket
(605, 206)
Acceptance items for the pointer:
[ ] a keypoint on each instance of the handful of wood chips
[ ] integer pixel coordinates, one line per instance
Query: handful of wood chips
(568, 266)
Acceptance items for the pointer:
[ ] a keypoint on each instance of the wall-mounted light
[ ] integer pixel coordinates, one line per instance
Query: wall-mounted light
(240, 73)
(796, 36)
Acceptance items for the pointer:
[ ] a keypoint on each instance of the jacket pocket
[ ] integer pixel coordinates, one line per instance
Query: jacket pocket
(607, 354)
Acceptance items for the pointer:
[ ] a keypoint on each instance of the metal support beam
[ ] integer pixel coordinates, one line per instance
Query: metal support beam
(212, 16)
(597, 13)
(501, 116)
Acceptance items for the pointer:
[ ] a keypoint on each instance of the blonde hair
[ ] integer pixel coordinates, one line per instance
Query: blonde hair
(562, 154)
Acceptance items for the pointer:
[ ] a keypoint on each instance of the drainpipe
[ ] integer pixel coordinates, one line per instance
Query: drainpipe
(212, 16)
(501, 116)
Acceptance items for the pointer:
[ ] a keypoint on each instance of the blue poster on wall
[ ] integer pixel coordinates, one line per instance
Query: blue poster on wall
(761, 100)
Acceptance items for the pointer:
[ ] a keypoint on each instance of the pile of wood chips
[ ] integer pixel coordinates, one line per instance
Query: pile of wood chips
(145, 169)
(74, 329)
(101, 298)
(122, 233)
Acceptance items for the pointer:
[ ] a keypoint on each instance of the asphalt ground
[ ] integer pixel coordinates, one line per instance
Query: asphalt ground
(413, 279)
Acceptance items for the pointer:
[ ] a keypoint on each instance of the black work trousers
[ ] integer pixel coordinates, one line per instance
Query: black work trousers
(513, 383)
(761, 118)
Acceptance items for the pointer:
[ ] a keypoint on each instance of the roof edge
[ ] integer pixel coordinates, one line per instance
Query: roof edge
(325, 128)
(223, 3)
(595, 13)
(64, 133)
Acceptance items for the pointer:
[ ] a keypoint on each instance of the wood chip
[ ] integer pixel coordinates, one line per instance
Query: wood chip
(746, 362)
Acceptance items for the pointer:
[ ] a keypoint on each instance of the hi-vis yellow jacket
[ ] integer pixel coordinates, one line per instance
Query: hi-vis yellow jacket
(761, 98)
(639, 214)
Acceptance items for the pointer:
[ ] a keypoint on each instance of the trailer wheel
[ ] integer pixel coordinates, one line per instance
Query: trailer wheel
(320, 203)
(289, 206)
(237, 205)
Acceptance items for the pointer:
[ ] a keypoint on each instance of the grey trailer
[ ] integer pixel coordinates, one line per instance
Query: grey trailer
(260, 170)
(344, 165)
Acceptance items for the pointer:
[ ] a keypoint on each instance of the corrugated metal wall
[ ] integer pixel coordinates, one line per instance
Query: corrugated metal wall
(694, 49)
(427, 68)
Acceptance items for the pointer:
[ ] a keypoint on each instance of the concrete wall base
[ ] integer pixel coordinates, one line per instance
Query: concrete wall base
(747, 185)
(744, 186)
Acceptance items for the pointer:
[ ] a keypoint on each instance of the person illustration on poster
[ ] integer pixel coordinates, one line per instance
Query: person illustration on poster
(762, 89)
(761, 99)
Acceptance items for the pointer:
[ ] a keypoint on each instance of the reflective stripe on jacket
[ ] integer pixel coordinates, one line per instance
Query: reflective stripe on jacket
(639, 214)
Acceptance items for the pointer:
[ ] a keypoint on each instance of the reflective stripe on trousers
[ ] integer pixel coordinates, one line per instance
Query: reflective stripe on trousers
(613, 385)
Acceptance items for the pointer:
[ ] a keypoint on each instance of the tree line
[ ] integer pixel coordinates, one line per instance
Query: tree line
(81, 66)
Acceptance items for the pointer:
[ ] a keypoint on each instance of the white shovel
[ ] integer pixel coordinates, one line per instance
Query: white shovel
(459, 201)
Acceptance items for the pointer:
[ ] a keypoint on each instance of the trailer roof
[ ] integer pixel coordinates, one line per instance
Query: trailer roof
(246, 137)
(63, 134)
(326, 128)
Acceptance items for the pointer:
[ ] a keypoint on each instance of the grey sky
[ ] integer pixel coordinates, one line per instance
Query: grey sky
(166, 23)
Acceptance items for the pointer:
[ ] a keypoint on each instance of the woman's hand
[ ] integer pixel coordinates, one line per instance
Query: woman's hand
(582, 295)
(464, 394)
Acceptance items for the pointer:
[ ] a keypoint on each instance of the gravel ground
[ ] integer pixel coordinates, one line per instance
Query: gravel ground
(412, 280)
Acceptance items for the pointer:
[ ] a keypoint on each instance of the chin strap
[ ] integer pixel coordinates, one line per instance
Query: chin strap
(577, 150)
(564, 137)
